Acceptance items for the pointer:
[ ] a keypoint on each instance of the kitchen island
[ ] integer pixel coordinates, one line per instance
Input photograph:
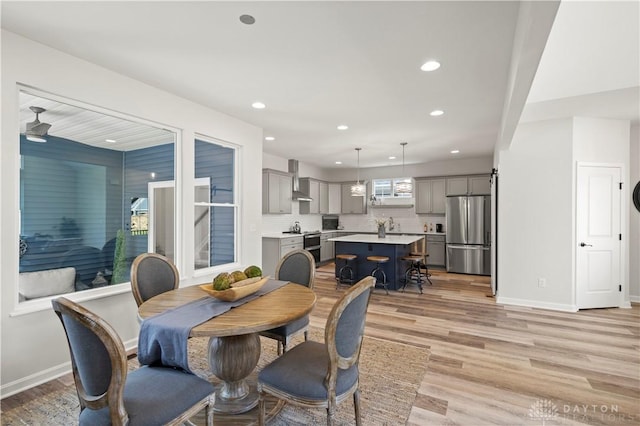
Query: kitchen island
(362, 245)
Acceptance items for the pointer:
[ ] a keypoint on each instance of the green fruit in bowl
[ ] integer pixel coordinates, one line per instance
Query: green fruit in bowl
(253, 271)
(238, 276)
(222, 281)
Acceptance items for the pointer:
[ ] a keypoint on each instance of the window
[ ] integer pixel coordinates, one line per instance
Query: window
(385, 188)
(83, 199)
(216, 207)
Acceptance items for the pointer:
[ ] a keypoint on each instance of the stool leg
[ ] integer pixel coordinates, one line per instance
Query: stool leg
(384, 276)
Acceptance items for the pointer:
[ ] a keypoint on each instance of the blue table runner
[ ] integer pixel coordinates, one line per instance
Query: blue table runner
(163, 337)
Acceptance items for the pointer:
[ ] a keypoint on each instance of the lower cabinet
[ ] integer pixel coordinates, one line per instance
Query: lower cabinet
(327, 248)
(436, 247)
(273, 249)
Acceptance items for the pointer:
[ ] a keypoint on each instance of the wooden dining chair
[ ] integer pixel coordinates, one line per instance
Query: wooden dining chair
(314, 374)
(108, 394)
(152, 274)
(297, 266)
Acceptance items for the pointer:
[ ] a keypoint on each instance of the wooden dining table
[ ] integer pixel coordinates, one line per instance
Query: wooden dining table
(234, 342)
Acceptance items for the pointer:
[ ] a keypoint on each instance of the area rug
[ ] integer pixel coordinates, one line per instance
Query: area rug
(390, 374)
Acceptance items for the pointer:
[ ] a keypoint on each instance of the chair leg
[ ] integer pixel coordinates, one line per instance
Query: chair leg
(331, 412)
(280, 350)
(261, 409)
(212, 401)
(356, 406)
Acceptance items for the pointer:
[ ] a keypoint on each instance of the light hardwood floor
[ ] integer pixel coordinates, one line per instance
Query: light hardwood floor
(495, 364)
(505, 365)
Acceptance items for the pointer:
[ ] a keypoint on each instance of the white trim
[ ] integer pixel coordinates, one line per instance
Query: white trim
(47, 375)
(536, 304)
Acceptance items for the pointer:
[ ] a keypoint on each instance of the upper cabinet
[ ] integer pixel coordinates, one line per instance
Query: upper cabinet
(334, 198)
(430, 196)
(469, 185)
(351, 204)
(319, 192)
(276, 191)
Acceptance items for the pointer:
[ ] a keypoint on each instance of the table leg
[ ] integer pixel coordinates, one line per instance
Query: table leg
(232, 359)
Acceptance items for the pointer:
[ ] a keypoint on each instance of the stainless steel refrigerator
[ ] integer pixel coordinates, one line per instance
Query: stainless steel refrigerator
(469, 234)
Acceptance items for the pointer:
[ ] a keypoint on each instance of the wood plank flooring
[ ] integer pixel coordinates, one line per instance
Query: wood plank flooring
(501, 365)
(506, 365)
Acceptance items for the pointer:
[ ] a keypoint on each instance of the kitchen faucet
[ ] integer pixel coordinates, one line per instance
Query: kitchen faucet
(391, 224)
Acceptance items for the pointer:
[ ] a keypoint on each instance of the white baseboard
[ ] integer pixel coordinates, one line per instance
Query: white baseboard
(46, 375)
(536, 304)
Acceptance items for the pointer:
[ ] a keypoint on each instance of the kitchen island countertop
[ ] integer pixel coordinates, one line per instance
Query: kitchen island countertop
(373, 238)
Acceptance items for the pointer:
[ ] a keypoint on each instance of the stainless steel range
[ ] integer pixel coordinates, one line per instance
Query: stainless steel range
(312, 244)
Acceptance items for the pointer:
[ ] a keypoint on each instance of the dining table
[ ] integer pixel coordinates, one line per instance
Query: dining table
(234, 342)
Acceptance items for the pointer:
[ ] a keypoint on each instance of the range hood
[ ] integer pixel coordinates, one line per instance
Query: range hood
(297, 194)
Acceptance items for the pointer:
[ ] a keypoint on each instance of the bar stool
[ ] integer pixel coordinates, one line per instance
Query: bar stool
(340, 278)
(413, 274)
(423, 264)
(379, 260)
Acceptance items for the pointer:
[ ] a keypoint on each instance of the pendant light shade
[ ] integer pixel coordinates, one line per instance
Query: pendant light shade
(358, 190)
(403, 186)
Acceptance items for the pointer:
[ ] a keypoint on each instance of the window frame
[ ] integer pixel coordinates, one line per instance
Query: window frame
(44, 303)
(236, 205)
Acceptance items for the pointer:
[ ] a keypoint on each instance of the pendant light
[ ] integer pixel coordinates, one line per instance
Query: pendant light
(404, 186)
(358, 190)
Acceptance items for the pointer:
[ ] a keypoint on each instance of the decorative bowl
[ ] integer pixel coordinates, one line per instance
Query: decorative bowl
(237, 291)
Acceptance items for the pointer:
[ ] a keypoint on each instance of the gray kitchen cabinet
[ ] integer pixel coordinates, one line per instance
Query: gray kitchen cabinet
(277, 187)
(310, 187)
(469, 185)
(274, 248)
(480, 185)
(319, 192)
(436, 247)
(334, 198)
(323, 198)
(327, 248)
(351, 204)
(430, 196)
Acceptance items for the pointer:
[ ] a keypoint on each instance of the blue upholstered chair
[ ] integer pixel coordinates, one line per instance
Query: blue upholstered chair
(314, 374)
(108, 394)
(152, 274)
(297, 266)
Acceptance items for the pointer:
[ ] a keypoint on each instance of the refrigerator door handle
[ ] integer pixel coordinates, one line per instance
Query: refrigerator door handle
(476, 247)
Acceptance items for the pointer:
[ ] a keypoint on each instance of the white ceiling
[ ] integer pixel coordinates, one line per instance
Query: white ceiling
(320, 64)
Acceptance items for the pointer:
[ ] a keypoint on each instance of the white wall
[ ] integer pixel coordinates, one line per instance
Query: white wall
(535, 216)
(33, 346)
(634, 217)
(536, 206)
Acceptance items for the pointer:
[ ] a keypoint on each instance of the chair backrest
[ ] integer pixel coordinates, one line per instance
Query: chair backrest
(297, 266)
(152, 274)
(98, 359)
(344, 329)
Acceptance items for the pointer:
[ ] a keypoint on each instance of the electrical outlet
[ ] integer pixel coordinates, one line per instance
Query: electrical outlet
(542, 282)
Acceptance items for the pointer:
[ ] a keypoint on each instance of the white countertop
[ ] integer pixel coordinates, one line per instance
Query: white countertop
(283, 235)
(373, 238)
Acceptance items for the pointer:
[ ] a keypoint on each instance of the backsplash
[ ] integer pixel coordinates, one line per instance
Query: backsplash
(405, 219)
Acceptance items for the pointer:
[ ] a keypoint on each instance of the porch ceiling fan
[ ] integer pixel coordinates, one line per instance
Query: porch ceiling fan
(36, 130)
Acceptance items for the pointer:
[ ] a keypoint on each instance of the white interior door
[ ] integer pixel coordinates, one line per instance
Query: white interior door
(598, 211)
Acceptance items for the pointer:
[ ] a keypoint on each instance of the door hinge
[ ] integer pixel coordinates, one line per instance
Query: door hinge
(621, 186)
(620, 237)
(620, 288)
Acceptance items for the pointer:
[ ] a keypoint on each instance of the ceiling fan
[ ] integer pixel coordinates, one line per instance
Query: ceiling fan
(36, 130)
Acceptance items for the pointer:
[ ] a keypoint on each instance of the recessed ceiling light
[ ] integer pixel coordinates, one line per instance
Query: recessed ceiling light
(436, 113)
(269, 138)
(247, 19)
(110, 140)
(343, 127)
(430, 66)
(455, 151)
(392, 158)
(338, 162)
(258, 105)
